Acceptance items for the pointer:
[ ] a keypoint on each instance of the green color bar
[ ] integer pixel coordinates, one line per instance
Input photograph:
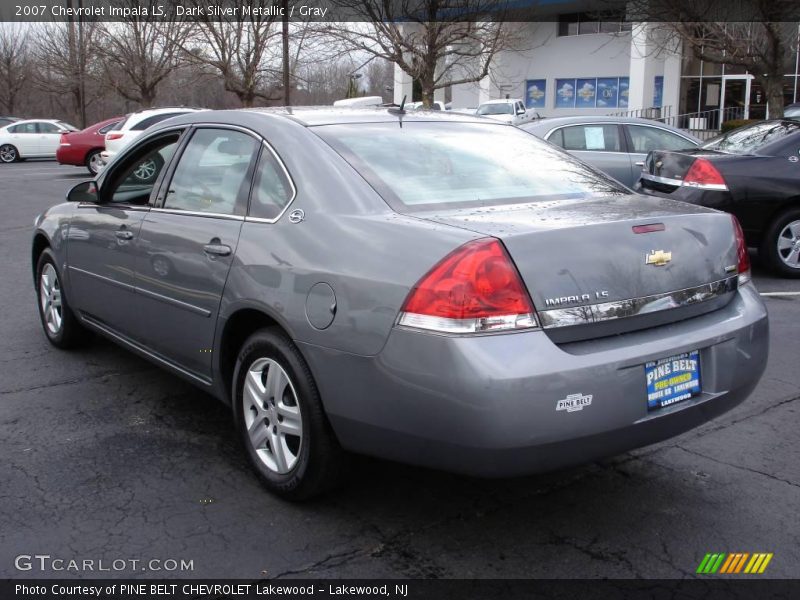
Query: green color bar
(718, 563)
(702, 566)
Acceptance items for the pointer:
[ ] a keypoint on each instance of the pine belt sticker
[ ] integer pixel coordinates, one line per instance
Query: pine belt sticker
(574, 402)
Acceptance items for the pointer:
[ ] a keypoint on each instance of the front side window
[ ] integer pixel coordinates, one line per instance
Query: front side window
(272, 190)
(426, 166)
(645, 139)
(48, 128)
(212, 175)
(133, 178)
(597, 138)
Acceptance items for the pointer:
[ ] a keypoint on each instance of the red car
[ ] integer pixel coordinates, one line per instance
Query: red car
(82, 148)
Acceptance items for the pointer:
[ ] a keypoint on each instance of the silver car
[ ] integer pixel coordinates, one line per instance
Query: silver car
(423, 287)
(615, 145)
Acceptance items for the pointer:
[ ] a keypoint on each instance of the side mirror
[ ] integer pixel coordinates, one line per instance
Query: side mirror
(520, 111)
(85, 191)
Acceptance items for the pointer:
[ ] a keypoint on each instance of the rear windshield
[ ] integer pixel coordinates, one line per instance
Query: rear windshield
(495, 109)
(749, 140)
(435, 165)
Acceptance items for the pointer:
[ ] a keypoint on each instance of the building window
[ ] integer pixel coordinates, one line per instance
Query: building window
(658, 91)
(594, 92)
(587, 23)
(535, 93)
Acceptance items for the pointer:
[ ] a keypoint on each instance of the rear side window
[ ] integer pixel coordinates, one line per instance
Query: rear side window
(107, 128)
(597, 138)
(645, 139)
(272, 190)
(23, 128)
(746, 140)
(150, 121)
(442, 164)
(212, 173)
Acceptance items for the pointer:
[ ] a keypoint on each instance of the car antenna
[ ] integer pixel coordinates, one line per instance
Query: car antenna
(399, 110)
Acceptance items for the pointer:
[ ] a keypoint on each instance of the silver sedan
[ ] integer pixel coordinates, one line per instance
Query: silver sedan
(424, 287)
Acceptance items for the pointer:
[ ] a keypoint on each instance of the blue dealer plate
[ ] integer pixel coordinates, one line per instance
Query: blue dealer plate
(672, 379)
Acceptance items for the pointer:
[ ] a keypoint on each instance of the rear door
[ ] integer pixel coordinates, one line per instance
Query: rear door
(187, 243)
(600, 144)
(25, 138)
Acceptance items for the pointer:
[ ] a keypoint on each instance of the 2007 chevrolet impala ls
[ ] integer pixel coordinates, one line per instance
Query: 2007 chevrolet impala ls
(429, 288)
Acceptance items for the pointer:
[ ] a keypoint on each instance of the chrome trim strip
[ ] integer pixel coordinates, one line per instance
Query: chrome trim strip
(180, 304)
(620, 309)
(125, 286)
(680, 183)
(192, 213)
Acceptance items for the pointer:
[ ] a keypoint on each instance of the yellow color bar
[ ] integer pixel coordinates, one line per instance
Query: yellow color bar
(765, 563)
(755, 563)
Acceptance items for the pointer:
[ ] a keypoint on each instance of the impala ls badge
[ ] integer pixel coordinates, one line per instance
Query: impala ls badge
(657, 258)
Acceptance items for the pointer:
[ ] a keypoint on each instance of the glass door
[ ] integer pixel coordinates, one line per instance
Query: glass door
(735, 97)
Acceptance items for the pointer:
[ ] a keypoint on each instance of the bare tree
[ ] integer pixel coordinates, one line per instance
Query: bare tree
(14, 65)
(761, 42)
(239, 48)
(66, 62)
(139, 53)
(436, 42)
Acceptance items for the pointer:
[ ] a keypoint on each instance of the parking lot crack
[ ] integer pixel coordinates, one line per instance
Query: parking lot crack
(735, 466)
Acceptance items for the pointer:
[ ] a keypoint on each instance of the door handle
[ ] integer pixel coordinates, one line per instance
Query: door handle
(217, 249)
(639, 164)
(124, 234)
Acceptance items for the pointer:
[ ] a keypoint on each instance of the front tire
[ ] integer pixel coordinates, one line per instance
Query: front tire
(60, 325)
(8, 153)
(780, 248)
(280, 420)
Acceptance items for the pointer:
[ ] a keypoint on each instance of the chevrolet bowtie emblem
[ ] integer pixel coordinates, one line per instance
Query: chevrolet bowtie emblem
(658, 258)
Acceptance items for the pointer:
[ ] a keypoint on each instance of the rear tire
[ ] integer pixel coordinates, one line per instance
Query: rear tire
(8, 153)
(93, 162)
(59, 323)
(780, 248)
(280, 419)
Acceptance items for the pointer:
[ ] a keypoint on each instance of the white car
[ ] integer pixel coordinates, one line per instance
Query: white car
(32, 138)
(508, 110)
(134, 125)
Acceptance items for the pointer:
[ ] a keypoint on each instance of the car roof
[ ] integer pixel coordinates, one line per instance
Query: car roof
(546, 124)
(37, 121)
(325, 115)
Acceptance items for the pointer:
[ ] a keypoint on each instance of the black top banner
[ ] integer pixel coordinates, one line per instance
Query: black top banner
(398, 10)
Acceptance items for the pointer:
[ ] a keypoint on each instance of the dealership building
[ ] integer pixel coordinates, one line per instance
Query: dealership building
(577, 63)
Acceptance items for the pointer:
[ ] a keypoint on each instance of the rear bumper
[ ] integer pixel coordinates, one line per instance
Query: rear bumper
(486, 405)
(70, 155)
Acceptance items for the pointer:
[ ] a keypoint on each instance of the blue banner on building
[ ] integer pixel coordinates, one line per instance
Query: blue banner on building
(565, 93)
(624, 87)
(535, 93)
(658, 91)
(585, 93)
(607, 92)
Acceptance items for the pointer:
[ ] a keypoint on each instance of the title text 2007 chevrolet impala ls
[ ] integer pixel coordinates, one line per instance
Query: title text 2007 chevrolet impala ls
(429, 288)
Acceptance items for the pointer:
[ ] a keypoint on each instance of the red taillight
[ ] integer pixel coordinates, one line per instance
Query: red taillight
(114, 135)
(704, 174)
(476, 288)
(743, 266)
(63, 140)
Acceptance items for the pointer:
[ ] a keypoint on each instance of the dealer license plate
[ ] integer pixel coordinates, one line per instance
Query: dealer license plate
(672, 379)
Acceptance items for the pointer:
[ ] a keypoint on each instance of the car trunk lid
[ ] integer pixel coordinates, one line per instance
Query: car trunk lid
(584, 264)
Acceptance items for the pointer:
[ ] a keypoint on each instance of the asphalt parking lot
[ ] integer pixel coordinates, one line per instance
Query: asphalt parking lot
(107, 457)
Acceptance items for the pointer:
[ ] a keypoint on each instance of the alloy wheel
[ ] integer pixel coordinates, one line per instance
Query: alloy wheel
(272, 415)
(789, 245)
(146, 170)
(95, 161)
(50, 298)
(8, 154)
